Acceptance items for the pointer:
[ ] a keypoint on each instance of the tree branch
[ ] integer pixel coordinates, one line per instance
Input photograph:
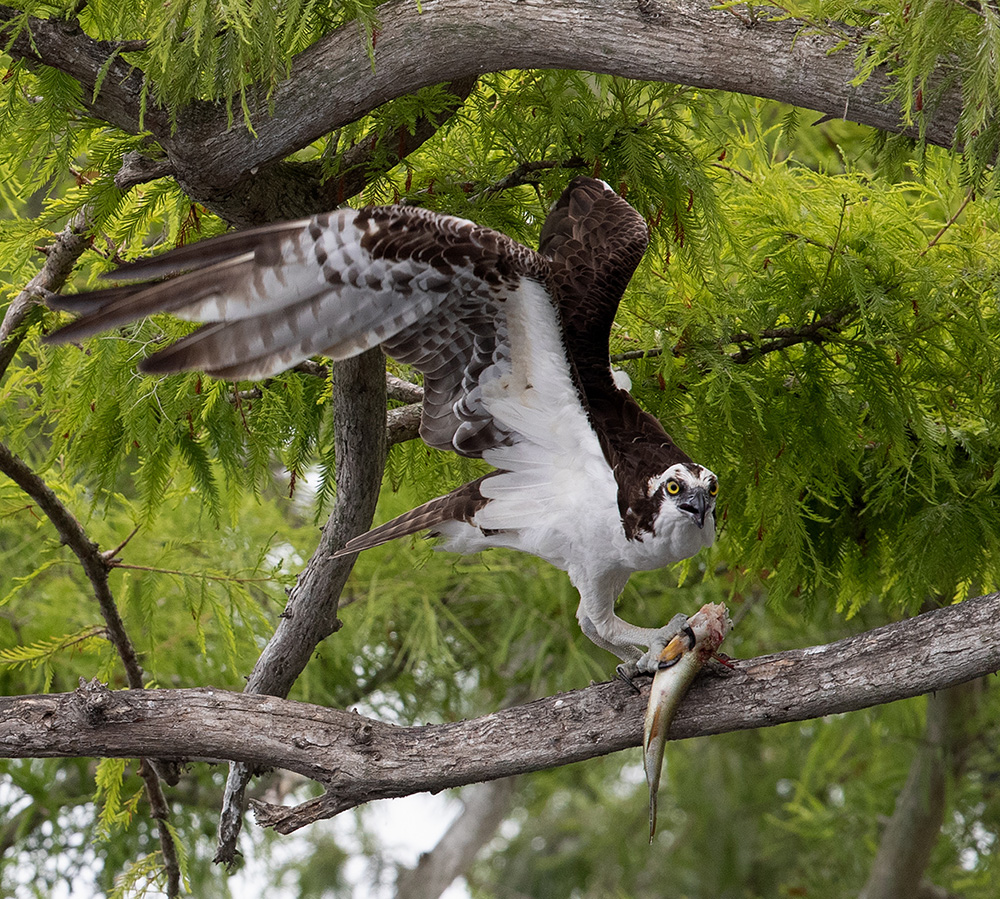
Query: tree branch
(404, 391)
(357, 164)
(358, 759)
(359, 426)
(402, 424)
(783, 338)
(333, 83)
(286, 190)
(63, 45)
(96, 565)
(60, 259)
(774, 339)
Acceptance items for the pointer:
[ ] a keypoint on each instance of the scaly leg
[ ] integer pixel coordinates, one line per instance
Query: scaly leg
(610, 632)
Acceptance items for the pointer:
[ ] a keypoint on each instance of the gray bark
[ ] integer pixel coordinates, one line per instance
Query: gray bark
(358, 759)
(332, 83)
(359, 397)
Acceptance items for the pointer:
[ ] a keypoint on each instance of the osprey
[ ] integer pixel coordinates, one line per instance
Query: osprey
(513, 347)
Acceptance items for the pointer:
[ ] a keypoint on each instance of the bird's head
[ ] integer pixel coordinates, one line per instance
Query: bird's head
(686, 494)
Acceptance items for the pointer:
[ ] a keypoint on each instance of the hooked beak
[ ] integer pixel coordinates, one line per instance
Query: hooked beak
(696, 505)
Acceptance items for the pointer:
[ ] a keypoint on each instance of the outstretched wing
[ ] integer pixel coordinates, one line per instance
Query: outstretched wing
(594, 240)
(513, 344)
(430, 289)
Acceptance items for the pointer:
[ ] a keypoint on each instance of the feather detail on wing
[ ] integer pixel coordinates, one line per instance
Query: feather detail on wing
(512, 344)
(430, 289)
(594, 241)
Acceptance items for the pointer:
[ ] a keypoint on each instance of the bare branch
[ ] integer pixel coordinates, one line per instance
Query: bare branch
(944, 228)
(311, 613)
(358, 759)
(404, 391)
(402, 424)
(59, 261)
(96, 566)
(783, 338)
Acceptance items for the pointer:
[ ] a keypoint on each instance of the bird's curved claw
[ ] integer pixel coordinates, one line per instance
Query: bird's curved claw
(649, 662)
(628, 672)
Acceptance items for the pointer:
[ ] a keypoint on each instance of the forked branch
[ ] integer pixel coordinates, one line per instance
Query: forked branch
(358, 759)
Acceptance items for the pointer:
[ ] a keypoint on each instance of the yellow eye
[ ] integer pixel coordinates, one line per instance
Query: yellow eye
(713, 489)
(673, 488)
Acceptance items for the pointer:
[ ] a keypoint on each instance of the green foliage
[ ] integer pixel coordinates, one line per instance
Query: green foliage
(817, 321)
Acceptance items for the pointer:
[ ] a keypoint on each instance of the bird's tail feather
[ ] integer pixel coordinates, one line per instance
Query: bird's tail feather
(459, 505)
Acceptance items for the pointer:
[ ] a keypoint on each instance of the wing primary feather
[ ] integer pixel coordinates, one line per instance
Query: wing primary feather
(204, 252)
(116, 306)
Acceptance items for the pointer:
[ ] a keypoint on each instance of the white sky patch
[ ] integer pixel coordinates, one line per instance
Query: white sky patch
(405, 829)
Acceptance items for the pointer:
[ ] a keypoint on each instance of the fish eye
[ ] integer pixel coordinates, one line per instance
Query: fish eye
(673, 488)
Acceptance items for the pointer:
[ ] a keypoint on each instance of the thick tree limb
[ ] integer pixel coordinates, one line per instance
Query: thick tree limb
(684, 42)
(358, 759)
(333, 82)
(63, 45)
(359, 424)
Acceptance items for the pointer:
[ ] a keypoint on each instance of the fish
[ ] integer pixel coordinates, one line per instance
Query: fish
(681, 659)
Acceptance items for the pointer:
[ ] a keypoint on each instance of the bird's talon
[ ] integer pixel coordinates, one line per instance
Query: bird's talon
(627, 672)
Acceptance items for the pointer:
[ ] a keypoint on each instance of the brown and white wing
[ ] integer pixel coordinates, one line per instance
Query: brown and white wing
(430, 289)
(594, 240)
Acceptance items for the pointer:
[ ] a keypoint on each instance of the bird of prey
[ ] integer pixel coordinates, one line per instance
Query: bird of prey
(513, 347)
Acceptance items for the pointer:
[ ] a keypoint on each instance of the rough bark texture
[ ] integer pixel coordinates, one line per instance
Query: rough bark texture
(360, 447)
(358, 759)
(242, 175)
(359, 397)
